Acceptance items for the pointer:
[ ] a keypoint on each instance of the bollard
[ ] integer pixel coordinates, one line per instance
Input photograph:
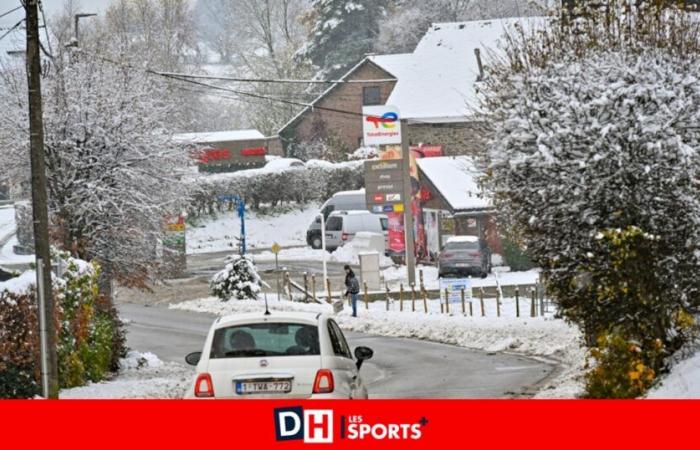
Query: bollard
(387, 297)
(498, 303)
(471, 312)
(447, 301)
(425, 301)
(313, 287)
(366, 296)
(401, 297)
(517, 302)
(328, 288)
(420, 276)
(533, 310)
(463, 310)
(541, 290)
(306, 287)
(413, 297)
(442, 307)
(481, 299)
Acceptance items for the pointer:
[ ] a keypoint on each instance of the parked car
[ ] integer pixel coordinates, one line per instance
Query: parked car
(284, 163)
(342, 226)
(279, 355)
(464, 256)
(340, 201)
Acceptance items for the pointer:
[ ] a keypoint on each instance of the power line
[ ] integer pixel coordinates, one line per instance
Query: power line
(273, 80)
(11, 29)
(11, 11)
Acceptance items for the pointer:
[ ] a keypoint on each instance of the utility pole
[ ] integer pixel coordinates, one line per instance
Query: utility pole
(49, 366)
(407, 207)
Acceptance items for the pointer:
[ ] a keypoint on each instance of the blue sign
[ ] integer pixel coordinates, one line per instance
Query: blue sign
(454, 288)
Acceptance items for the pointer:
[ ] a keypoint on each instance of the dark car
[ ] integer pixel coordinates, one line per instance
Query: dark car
(464, 256)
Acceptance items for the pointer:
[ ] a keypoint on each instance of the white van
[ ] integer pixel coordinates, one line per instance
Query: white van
(342, 226)
(340, 201)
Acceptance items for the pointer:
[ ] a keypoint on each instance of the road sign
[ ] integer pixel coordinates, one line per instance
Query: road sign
(384, 185)
(276, 248)
(380, 125)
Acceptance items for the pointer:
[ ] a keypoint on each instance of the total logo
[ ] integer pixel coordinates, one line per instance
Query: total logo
(387, 120)
(316, 426)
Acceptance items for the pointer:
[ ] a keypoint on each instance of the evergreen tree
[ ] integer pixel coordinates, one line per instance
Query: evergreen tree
(239, 280)
(343, 31)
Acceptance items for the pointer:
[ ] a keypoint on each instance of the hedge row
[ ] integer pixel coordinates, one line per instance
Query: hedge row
(90, 337)
(299, 185)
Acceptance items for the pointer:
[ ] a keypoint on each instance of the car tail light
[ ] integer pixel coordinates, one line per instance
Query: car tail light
(344, 236)
(203, 387)
(323, 384)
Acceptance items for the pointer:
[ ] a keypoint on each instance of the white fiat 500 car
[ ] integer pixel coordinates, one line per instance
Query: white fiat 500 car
(277, 355)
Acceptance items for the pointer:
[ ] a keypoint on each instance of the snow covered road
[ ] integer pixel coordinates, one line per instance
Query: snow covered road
(401, 368)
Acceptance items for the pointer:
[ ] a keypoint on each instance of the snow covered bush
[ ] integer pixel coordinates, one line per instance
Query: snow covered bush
(594, 162)
(239, 280)
(317, 182)
(90, 335)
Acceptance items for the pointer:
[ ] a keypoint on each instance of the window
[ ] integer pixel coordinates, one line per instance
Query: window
(265, 339)
(371, 96)
(340, 345)
(335, 223)
(327, 211)
(385, 223)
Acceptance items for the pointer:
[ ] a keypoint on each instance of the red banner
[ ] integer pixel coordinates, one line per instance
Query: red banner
(385, 424)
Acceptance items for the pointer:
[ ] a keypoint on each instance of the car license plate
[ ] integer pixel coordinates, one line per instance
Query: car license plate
(263, 387)
(462, 265)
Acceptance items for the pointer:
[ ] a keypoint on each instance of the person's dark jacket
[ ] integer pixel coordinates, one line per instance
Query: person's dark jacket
(352, 284)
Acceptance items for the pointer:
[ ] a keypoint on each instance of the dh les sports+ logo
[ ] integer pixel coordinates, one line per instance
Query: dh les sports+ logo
(317, 426)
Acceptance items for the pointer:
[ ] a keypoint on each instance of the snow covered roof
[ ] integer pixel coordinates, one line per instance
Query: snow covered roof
(218, 136)
(455, 177)
(436, 83)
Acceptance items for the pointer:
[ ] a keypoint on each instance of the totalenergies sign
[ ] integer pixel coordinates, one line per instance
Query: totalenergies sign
(380, 125)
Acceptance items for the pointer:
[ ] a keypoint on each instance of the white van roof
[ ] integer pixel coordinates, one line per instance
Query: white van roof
(358, 212)
(344, 193)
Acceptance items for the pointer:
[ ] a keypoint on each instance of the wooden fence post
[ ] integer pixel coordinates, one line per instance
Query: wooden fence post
(447, 301)
(328, 288)
(471, 311)
(533, 310)
(413, 297)
(425, 300)
(387, 296)
(498, 303)
(313, 287)
(517, 302)
(289, 285)
(401, 297)
(481, 299)
(463, 305)
(366, 296)
(306, 287)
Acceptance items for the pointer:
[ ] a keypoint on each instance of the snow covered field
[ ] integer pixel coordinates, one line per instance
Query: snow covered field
(142, 375)
(220, 234)
(682, 382)
(540, 337)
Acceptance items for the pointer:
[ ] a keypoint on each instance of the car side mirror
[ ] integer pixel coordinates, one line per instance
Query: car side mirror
(193, 358)
(362, 354)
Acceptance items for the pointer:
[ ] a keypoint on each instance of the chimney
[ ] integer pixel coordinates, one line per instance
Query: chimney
(477, 52)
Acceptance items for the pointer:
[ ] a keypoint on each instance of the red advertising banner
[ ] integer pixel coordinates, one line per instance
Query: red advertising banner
(385, 424)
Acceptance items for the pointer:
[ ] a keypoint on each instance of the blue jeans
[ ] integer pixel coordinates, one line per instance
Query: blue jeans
(353, 299)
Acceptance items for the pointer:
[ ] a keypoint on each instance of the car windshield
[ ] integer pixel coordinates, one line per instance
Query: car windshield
(265, 339)
(462, 245)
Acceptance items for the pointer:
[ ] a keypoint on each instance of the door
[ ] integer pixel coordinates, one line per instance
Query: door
(342, 364)
(334, 231)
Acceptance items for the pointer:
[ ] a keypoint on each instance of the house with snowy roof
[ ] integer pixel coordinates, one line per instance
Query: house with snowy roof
(434, 87)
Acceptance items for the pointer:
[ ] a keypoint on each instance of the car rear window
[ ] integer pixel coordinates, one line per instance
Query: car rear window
(464, 245)
(265, 339)
(334, 224)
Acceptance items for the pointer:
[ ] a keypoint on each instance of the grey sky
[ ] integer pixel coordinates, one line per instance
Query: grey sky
(50, 7)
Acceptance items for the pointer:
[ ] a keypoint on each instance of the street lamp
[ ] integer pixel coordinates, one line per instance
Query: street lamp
(77, 20)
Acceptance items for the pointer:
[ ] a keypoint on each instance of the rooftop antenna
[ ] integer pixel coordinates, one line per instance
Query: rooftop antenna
(267, 310)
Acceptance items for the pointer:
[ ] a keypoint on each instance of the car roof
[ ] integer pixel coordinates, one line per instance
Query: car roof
(311, 318)
(456, 239)
(352, 212)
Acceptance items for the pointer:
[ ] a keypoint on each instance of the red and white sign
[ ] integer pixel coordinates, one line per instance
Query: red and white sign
(381, 125)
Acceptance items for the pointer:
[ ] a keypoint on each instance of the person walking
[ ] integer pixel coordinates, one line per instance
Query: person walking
(352, 286)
